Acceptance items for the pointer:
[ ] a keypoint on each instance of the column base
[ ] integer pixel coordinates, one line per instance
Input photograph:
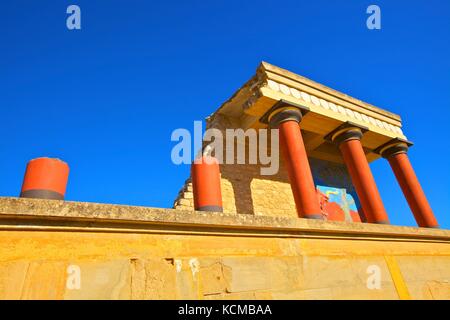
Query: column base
(42, 194)
(314, 216)
(210, 208)
(381, 222)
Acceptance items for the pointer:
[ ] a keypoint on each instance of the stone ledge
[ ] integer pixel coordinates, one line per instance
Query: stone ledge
(28, 213)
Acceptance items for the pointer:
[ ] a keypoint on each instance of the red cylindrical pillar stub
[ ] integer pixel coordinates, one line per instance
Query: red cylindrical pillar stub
(45, 178)
(361, 175)
(297, 164)
(412, 189)
(205, 174)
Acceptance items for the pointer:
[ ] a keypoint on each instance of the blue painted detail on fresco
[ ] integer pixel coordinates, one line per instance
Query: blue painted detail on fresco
(333, 178)
(344, 208)
(340, 196)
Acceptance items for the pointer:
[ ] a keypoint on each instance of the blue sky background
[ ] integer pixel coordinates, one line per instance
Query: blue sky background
(107, 98)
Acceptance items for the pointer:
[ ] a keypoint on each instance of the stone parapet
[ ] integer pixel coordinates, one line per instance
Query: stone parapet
(129, 252)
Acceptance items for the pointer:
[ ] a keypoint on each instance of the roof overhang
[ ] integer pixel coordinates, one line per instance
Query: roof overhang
(328, 109)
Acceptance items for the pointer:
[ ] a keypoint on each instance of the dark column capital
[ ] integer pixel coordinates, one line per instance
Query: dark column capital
(283, 111)
(345, 132)
(284, 114)
(393, 147)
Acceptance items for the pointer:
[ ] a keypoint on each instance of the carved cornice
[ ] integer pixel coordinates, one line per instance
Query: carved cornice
(328, 107)
(351, 114)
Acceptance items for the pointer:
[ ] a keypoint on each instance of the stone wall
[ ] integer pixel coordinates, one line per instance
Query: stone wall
(123, 252)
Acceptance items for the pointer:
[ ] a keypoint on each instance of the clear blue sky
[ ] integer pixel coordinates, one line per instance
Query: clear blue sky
(107, 97)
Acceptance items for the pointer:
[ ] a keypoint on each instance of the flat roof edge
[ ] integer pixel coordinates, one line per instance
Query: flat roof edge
(318, 86)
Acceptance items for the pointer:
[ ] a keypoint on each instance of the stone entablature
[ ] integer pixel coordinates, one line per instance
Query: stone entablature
(328, 109)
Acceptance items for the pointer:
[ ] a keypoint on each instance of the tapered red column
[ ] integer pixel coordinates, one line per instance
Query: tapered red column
(205, 174)
(397, 156)
(349, 142)
(294, 155)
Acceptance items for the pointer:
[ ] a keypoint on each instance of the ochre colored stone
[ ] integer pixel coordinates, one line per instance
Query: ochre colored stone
(126, 252)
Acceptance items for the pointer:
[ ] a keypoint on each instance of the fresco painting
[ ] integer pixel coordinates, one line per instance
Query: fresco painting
(337, 205)
(335, 191)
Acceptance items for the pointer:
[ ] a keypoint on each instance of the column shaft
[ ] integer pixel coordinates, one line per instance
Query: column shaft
(45, 178)
(363, 181)
(299, 171)
(205, 174)
(412, 190)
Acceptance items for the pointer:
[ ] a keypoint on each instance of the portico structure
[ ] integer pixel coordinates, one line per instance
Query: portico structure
(327, 140)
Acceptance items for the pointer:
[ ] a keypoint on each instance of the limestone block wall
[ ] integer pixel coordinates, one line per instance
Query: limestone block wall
(185, 197)
(70, 250)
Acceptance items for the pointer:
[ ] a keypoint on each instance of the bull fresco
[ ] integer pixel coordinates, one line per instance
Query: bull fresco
(337, 205)
(337, 196)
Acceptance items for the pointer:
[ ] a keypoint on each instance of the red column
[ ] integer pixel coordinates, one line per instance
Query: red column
(45, 178)
(294, 155)
(205, 174)
(407, 179)
(352, 151)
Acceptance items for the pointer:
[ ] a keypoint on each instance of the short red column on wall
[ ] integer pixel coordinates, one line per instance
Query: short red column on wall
(205, 174)
(396, 153)
(45, 178)
(286, 119)
(348, 139)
